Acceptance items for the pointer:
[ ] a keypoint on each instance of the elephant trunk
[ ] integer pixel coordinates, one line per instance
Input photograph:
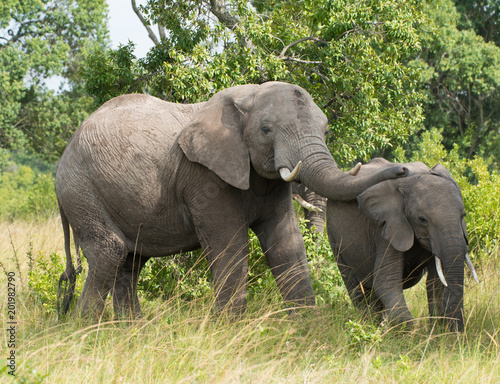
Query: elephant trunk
(453, 299)
(320, 173)
(451, 253)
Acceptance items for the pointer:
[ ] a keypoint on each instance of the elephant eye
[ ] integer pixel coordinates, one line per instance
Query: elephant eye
(422, 219)
(265, 129)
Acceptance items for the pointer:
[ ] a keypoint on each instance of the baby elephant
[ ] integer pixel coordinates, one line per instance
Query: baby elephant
(393, 233)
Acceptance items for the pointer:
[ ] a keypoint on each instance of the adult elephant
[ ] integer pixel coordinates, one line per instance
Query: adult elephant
(396, 230)
(142, 178)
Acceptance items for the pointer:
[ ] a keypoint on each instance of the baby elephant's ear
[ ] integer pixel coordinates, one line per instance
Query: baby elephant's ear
(214, 137)
(383, 203)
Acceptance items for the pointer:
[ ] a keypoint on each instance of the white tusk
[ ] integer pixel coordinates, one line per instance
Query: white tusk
(290, 176)
(305, 204)
(471, 267)
(440, 271)
(355, 170)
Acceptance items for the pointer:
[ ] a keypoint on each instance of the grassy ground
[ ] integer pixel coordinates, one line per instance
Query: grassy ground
(183, 341)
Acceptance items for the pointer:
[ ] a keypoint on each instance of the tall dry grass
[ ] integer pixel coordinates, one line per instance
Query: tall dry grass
(181, 341)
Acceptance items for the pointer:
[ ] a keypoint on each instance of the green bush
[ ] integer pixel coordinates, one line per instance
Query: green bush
(480, 190)
(26, 195)
(43, 278)
(188, 275)
(362, 335)
(325, 275)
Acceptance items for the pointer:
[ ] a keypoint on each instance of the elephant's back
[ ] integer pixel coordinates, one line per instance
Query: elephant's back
(131, 123)
(124, 157)
(127, 132)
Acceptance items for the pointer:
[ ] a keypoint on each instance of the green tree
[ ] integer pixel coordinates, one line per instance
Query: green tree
(460, 75)
(39, 40)
(348, 55)
(483, 16)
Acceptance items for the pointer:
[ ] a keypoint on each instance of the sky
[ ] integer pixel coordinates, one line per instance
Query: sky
(124, 25)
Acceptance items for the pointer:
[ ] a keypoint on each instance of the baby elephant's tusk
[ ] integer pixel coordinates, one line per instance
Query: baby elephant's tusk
(440, 271)
(290, 176)
(471, 267)
(305, 204)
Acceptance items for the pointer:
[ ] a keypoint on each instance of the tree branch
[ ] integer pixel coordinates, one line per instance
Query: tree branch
(161, 31)
(218, 8)
(144, 22)
(300, 60)
(311, 38)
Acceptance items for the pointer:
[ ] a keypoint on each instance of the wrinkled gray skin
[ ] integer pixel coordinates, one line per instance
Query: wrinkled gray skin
(385, 240)
(143, 178)
(315, 218)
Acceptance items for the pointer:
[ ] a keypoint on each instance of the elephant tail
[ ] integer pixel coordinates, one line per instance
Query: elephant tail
(65, 291)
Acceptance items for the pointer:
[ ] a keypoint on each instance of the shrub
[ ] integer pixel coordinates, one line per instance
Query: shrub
(43, 278)
(362, 335)
(188, 275)
(26, 195)
(326, 279)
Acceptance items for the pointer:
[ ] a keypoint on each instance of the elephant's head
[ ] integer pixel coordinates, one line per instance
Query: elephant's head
(425, 207)
(278, 129)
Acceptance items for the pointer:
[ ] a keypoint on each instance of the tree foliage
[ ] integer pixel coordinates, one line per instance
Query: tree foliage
(348, 55)
(483, 16)
(460, 74)
(41, 39)
(381, 70)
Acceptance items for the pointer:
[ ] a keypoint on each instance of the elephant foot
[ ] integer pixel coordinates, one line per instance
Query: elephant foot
(232, 306)
(401, 322)
(447, 324)
(127, 314)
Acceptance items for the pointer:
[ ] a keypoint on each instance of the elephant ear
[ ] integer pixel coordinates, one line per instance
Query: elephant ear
(383, 203)
(214, 136)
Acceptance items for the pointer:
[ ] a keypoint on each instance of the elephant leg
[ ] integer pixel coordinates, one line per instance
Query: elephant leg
(282, 242)
(229, 266)
(224, 240)
(374, 304)
(388, 283)
(361, 296)
(125, 300)
(105, 259)
(351, 281)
